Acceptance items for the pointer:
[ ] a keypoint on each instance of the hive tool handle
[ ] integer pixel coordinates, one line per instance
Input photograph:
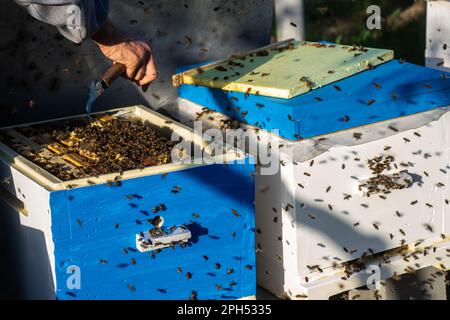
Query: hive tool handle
(112, 74)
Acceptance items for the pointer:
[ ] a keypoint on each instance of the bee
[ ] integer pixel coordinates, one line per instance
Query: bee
(386, 148)
(402, 232)
(248, 267)
(235, 213)
(193, 295)
(300, 185)
(131, 287)
(440, 185)
(330, 207)
(217, 266)
(312, 217)
(391, 236)
(293, 24)
(176, 189)
(417, 134)
(196, 215)
(6, 180)
(345, 249)
(133, 262)
(158, 221)
(428, 86)
(356, 224)
(232, 283)
(306, 279)
(230, 271)
(79, 222)
(406, 140)
(393, 129)
(429, 205)
(188, 275)
(413, 202)
(343, 166)
(307, 174)
(103, 261)
(426, 173)
(377, 85)
(345, 118)
(347, 196)
(311, 163)
(428, 227)
(218, 287)
(337, 88)
(328, 189)
(357, 135)
(370, 102)
(375, 225)
(318, 99)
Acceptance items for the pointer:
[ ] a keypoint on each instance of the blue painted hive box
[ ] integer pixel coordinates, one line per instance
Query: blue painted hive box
(173, 231)
(390, 90)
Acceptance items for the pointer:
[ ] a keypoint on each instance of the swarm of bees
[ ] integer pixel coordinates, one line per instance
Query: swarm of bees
(102, 147)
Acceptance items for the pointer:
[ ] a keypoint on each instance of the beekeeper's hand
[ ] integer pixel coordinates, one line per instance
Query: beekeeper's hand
(131, 51)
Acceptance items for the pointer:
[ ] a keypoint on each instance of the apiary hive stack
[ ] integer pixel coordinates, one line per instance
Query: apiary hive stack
(362, 179)
(437, 54)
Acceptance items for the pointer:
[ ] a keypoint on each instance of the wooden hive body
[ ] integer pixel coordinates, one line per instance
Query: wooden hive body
(91, 224)
(313, 221)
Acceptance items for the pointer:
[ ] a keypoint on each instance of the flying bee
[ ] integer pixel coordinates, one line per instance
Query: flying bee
(440, 185)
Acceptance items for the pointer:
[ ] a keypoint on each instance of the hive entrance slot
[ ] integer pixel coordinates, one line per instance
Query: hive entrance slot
(159, 238)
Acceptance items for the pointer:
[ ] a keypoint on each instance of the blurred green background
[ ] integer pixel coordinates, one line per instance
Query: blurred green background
(403, 25)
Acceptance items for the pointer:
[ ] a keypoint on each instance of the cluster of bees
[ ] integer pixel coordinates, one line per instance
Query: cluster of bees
(103, 147)
(380, 182)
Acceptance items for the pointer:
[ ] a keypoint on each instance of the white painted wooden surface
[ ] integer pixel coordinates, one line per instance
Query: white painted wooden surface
(290, 19)
(295, 241)
(437, 54)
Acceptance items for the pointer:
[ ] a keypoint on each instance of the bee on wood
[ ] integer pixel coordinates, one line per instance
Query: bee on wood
(370, 102)
(429, 205)
(235, 213)
(217, 266)
(356, 224)
(79, 222)
(179, 270)
(188, 275)
(248, 267)
(232, 283)
(193, 295)
(328, 189)
(428, 227)
(413, 202)
(330, 207)
(347, 196)
(307, 174)
(357, 136)
(318, 99)
(312, 217)
(377, 85)
(402, 232)
(337, 88)
(406, 140)
(300, 185)
(375, 225)
(103, 261)
(393, 129)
